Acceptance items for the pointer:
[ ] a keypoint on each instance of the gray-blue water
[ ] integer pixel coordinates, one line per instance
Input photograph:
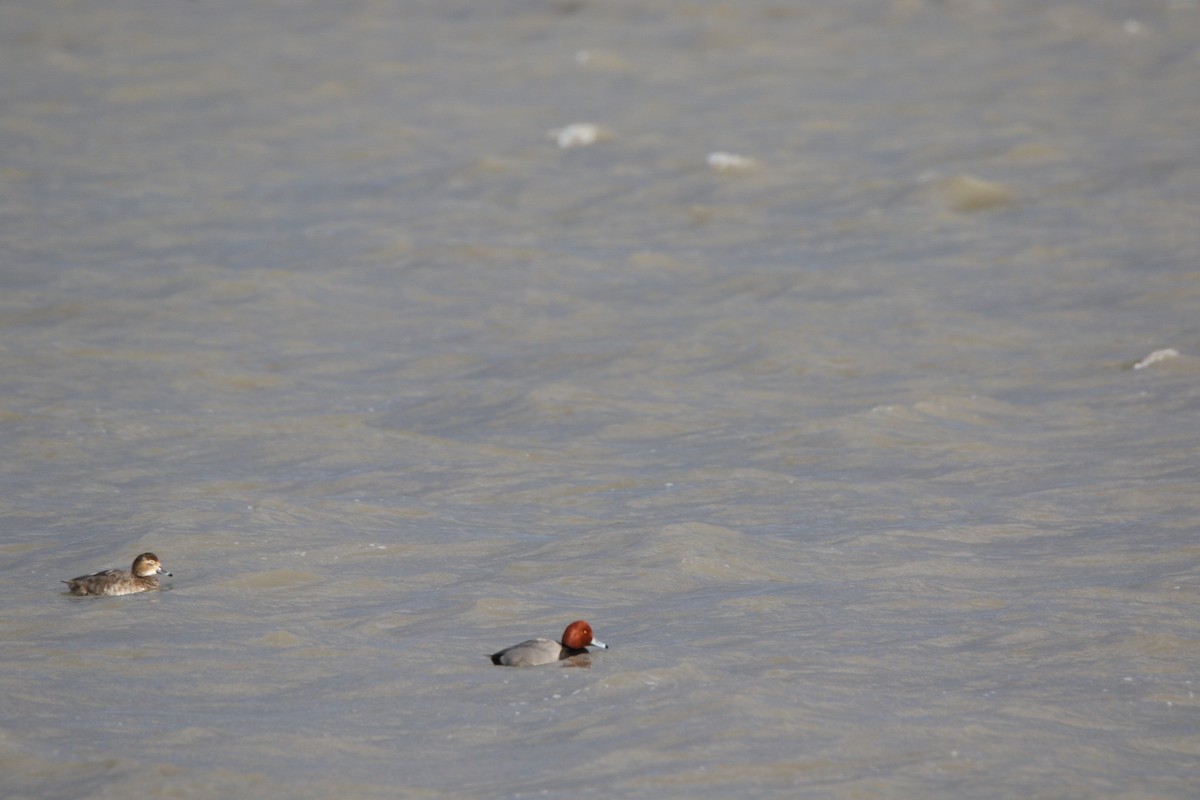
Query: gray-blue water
(842, 448)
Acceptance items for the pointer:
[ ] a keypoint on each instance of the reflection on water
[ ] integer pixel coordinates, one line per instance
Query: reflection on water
(859, 455)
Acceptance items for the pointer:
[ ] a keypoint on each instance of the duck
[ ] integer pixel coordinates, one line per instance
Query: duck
(575, 641)
(140, 578)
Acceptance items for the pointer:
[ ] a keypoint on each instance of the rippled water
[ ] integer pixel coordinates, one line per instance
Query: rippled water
(847, 449)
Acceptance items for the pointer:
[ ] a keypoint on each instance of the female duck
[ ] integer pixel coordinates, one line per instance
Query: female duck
(141, 578)
(575, 641)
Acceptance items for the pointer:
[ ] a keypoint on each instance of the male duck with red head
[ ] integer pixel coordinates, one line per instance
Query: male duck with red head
(575, 641)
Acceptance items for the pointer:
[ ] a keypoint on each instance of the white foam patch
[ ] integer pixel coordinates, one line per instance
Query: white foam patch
(1156, 357)
(722, 161)
(577, 134)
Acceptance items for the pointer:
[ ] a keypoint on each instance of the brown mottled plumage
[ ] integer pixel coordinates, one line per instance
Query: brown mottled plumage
(141, 578)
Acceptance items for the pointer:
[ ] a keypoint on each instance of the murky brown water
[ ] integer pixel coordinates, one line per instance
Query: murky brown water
(839, 446)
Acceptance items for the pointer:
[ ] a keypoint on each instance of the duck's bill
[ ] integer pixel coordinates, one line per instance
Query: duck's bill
(162, 571)
(596, 643)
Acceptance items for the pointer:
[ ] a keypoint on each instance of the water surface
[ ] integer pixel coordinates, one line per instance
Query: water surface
(843, 451)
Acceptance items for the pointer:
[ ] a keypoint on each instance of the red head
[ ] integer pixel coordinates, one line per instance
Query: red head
(578, 635)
